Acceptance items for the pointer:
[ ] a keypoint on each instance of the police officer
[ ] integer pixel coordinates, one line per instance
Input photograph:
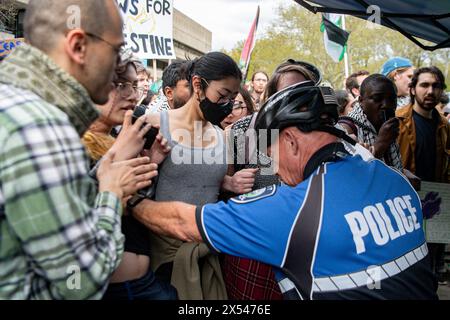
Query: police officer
(338, 227)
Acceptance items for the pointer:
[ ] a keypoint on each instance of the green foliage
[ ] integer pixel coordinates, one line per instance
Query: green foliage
(295, 33)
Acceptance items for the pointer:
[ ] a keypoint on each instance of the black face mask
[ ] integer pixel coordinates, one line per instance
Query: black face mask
(214, 112)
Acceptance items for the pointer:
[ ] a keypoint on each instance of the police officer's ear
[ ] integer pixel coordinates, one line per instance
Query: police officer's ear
(290, 139)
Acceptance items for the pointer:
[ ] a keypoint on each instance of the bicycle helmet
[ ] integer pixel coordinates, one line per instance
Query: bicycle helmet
(304, 105)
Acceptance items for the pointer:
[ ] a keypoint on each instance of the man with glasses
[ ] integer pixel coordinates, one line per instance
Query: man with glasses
(259, 83)
(59, 240)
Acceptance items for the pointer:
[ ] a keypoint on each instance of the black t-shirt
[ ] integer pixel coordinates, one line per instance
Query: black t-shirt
(137, 236)
(425, 153)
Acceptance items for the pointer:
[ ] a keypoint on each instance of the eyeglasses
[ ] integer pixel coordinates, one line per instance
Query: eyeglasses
(126, 89)
(238, 108)
(117, 48)
(223, 101)
(260, 80)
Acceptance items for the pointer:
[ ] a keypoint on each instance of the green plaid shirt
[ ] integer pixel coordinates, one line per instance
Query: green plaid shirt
(59, 239)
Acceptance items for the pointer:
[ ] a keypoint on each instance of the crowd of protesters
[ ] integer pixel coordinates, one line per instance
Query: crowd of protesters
(74, 159)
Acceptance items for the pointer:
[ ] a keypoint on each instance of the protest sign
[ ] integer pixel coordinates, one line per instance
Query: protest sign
(8, 45)
(148, 28)
(437, 229)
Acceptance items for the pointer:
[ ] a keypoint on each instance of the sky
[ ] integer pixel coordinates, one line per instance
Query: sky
(229, 20)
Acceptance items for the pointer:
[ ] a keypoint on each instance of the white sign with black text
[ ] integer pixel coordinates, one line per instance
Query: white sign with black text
(148, 27)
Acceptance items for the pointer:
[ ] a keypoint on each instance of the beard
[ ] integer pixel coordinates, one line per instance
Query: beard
(427, 103)
(178, 103)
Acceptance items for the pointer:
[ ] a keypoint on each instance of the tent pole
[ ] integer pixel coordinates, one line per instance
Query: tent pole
(155, 71)
(346, 52)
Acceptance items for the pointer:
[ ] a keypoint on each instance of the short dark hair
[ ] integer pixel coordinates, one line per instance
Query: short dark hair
(352, 81)
(173, 73)
(434, 71)
(342, 99)
(212, 66)
(262, 72)
(377, 79)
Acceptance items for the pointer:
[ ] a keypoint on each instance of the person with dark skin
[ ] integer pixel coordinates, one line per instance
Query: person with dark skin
(378, 102)
(374, 124)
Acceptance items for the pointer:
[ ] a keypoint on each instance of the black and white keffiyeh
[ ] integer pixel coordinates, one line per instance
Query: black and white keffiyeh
(367, 134)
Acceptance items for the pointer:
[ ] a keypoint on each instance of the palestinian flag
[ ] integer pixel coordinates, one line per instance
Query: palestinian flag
(246, 55)
(335, 37)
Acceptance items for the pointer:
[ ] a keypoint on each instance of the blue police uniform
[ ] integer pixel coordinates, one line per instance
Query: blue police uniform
(351, 230)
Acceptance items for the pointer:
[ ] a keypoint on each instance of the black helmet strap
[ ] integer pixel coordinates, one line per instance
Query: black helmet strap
(330, 153)
(336, 132)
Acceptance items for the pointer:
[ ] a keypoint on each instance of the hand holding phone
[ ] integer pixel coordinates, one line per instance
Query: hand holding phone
(151, 135)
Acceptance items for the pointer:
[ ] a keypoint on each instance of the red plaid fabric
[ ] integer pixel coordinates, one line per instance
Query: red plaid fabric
(249, 280)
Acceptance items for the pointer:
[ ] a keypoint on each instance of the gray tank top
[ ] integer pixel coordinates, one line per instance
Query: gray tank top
(190, 174)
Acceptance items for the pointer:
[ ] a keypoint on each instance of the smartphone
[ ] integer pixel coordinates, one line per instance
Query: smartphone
(151, 135)
(387, 114)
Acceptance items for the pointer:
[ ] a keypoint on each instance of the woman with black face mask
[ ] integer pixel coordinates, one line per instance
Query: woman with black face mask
(195, 171)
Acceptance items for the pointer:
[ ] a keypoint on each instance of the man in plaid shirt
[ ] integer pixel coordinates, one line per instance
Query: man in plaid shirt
(59, 239)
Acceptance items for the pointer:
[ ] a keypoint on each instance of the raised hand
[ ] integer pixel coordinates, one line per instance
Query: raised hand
(387, 135)
(130, 141)
(159, 151)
